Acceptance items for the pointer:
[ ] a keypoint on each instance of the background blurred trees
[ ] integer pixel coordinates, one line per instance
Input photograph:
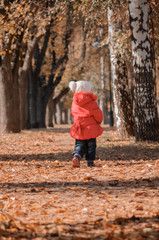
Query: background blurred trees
(46, 44)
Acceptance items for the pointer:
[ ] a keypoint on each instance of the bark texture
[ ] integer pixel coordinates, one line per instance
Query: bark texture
(145, 104)
(10, 104)
(123, 108)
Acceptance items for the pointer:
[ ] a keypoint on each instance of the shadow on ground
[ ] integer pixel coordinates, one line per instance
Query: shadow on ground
(124, 153)
(128, 153)
(110, 185)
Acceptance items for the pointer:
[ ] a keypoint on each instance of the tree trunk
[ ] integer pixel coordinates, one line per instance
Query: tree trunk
(102, 96)
(42, 101)
(83, 39)
(145, 104)
(49, 113)
(65, 116)
(33, 96)
(42, 115)
(123, 107)
(59, 113)
(28, 116)
(10, 87)
(23, 97)
(3, 113)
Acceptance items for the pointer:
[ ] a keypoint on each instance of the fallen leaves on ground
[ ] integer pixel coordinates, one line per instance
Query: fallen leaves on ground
(43, 197)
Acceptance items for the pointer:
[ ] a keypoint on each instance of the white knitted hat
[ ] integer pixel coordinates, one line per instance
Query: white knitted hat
(80, 86)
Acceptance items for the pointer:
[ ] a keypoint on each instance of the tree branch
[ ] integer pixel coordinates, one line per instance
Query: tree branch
(28, 59)
(63, 92)
(43, 50)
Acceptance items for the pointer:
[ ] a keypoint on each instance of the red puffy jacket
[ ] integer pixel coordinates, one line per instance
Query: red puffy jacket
(87, 116)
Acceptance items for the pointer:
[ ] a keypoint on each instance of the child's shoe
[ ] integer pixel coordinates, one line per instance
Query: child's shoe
(90, 163)
(76, 161)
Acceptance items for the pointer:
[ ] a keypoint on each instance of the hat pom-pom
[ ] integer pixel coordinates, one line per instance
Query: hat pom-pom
(72, 86)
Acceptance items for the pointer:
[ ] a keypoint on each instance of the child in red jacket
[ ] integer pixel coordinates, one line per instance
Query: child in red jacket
(87, 119)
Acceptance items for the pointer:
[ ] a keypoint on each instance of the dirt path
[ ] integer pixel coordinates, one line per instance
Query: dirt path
(42, 197)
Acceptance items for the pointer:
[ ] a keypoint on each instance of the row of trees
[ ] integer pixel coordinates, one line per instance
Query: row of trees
(37, 58)
(31, 35)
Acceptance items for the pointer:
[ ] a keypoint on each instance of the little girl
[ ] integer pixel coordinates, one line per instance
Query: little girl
(87, 119)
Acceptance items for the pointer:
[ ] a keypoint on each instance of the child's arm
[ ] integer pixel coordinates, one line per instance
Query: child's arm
(97, 114)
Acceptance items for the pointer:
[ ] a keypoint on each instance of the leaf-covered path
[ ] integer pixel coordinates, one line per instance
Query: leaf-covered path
(43, 197)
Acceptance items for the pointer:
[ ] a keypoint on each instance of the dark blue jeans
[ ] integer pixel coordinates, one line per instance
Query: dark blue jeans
(86, 148)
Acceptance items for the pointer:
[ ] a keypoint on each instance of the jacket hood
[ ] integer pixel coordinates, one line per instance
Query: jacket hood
(83, 98)
(80, 86)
